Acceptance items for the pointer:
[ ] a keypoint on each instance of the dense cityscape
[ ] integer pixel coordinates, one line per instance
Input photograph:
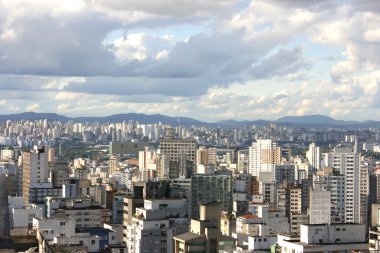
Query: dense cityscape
(189, 126)
(131, 187)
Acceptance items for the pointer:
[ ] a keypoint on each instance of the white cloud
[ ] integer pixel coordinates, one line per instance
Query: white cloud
(32, 107)
(240, 59)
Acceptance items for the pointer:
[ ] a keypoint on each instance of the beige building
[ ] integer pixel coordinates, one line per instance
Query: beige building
(263, 156)
(204, 235)
(113, 165)
(364, 193)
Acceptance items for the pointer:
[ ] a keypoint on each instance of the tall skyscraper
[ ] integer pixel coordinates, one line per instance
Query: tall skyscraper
(313, 155)
(34, 169)
(347, 162)
(263, 156)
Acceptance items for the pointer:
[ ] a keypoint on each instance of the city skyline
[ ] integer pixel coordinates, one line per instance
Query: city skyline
(223, 60)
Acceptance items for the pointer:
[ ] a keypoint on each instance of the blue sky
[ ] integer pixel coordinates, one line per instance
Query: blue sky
(210, 60)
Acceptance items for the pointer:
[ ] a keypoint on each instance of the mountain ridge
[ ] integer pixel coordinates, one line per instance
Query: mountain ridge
(315, 120)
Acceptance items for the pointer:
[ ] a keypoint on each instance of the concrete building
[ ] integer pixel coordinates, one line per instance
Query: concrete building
(259, 231)
(364, 194)
(113, 165)
(207, 188)
(204, 234)
(313, 155)
(267, 188)
(123, 148)
(285, 175)
(148, 159)
(35, 171)
(59, 234)
(374, 186)
(21, 214)
(86, 212)
(263, 156)
(60, 174)
(374, 231)
(7, 154)
(180, 153)
(320, 205)
(289, 200)
(327, 238)
(334, 183)
(157, 222)
(347, 163)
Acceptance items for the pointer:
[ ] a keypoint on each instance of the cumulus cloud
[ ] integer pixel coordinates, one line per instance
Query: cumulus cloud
(84, 57)
(282, 63)
(177, 8)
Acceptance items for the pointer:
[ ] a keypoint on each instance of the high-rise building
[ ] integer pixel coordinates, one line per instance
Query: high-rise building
(176, 147)
(375, 186)
(181, 154)
(148, 159)
(207, 188)
(347, 163)
(320, 205)
(35, 170)
(113, 165)
(333, 182)
(263, 156)
(313, 155)
(364, 194)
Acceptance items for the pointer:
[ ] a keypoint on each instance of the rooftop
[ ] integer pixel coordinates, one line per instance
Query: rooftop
(249, 216)
(188, 236)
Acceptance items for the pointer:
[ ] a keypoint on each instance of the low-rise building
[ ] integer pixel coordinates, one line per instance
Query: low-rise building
(327, 238)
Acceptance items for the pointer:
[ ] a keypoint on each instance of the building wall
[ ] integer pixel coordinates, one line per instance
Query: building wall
(332, 234)
(207, 188)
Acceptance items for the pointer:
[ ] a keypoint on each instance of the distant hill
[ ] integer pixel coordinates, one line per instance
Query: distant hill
(34, 116)
(307, 119)
(316, 121)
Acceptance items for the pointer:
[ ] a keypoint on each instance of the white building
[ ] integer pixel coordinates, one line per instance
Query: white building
(263, 156)
(313, 155)
(347, 163)
(327, 238)
(21, 215)
(7, 154)
(157, 223)
(87, 213)
(259, 231)
(59, 234)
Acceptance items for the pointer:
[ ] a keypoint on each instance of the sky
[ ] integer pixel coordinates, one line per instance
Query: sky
(207, 59)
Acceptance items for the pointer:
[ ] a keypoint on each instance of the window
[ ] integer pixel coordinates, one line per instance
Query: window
(92, 241)
(62, 223)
